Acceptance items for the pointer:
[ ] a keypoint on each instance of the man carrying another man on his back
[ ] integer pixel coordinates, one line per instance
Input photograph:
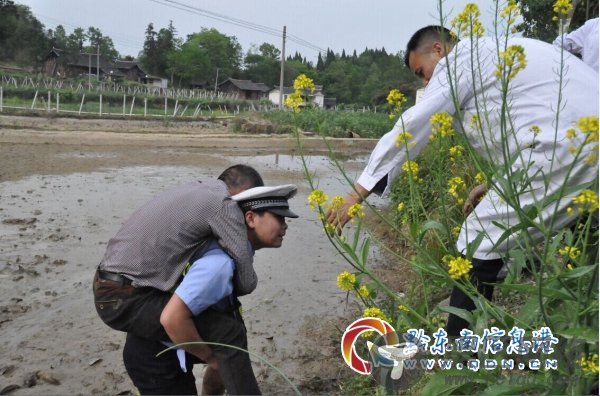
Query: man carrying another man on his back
(204, 307)
(145, 261)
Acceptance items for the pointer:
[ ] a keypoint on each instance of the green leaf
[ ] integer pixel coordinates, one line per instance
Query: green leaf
(531, 211)
(474, 245)
(530, 311)
(431, 225)
(584, 333)
(559, 293)
(461, 313)
(505, 388)
(578, 272)
(446, 382)
(365, 251)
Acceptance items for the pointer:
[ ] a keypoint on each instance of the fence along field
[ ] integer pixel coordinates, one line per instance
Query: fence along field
(113, 99)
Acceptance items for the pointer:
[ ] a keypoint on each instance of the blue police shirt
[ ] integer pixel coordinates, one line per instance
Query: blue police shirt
(209, 279)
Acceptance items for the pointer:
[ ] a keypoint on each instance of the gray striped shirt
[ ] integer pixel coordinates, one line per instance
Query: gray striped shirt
(155, 243)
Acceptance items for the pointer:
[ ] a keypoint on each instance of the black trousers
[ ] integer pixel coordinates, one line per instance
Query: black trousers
(137, 311)
(483, 271)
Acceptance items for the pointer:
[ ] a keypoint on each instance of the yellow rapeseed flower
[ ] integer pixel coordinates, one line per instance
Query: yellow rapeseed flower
(441, 125)
(535, 130)
(467, 21)
(455, 231)
(346, 281)
(294, 101)
(329, 228)
(561, 8)
(401, 206)
(336, 203)
(356, 210)
(396, 100)
(459, 267)
(589, 364)
(375, 312)
(396, 97)
(570, 251)
(570, 267)
(304, 83)
(456, 186)
(587, 200)
(480, 178)
(363, 291)
(571, 133)
(510, 12)
(411, 168)
(456, 151)
(403, 308)
(403, 138)
(316, 199)
(511, 62)
(589, 126)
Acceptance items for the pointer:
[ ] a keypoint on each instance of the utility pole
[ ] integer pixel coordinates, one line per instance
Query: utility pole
(282, 70)
(89, 70)
(98, 62)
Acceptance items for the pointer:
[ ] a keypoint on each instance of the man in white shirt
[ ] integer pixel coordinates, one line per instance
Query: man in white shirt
(204, 307)
(582, 42)
(532, 101)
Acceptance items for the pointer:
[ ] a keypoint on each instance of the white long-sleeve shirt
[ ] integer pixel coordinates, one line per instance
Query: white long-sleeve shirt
(533, 101)
(582, 41)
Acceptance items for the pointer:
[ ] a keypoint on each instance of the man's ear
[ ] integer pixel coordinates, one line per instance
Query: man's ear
(249, 218)
(437, 48)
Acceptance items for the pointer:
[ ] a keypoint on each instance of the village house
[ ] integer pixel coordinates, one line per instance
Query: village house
(59, 63)
(245, 89)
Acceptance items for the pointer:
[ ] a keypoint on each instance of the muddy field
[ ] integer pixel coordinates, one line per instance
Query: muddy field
(65, 188)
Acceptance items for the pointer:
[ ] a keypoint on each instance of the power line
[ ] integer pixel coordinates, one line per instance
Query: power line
(238, 22)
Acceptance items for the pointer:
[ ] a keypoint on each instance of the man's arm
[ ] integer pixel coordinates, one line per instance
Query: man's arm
(176, 318)
(208, 280)
(229, 228)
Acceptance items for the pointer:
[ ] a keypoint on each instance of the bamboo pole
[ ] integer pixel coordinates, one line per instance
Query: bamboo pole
(81, 104)
(132, 102)
(34, 98)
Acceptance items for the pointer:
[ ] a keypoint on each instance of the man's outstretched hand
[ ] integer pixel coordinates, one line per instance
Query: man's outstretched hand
(339, 217)
(475, 196)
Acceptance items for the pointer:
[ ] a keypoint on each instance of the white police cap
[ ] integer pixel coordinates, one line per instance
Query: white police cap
(271, 198)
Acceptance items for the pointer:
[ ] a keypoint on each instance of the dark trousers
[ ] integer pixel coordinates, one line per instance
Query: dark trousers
(137, 311)
(483, 271)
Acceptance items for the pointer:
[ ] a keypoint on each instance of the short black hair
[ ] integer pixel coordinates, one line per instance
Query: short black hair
(428, 34)
(241, 176)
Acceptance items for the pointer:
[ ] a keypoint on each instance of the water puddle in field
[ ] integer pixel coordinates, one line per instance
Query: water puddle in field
(54, 230)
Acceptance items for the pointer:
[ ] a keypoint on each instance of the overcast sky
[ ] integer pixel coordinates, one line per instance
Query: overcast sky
(335, 24)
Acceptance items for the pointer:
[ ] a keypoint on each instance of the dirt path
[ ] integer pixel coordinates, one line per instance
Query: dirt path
(65, 188)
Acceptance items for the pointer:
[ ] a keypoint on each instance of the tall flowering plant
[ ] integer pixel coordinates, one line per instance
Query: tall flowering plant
(552, 284)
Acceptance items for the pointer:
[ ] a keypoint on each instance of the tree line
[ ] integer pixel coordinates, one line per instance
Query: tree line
(208, 56)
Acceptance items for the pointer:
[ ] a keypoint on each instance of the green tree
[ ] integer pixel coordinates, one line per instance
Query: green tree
(97, 42)
(537, 17)
(203, 53)
(22, 37)
(263, 65)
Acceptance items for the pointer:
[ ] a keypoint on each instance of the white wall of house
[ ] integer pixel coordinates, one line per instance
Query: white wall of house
(159, 82)
(317, 98)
